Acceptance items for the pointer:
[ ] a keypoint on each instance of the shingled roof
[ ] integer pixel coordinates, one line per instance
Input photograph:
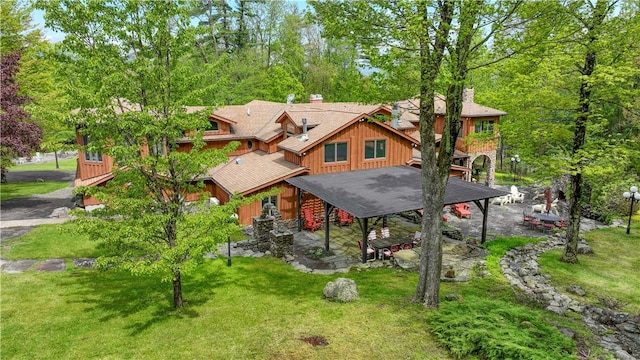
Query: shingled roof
(253, 171)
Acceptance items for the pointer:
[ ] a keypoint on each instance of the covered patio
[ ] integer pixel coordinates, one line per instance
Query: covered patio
(375, 193)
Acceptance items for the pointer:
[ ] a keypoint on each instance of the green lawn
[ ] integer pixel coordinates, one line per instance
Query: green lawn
(258, 309)
(612, 272)
(22, 189)
(65, 165)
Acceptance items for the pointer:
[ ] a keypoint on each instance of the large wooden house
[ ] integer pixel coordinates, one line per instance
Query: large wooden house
(279, 141)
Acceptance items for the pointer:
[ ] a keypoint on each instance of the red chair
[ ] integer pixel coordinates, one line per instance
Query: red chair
(386, 254)
(394, 248)
(462, 210)
(371, 253)
(562, 224)
(547, 227)
(311, 222)
(407, 246)
(344, 218)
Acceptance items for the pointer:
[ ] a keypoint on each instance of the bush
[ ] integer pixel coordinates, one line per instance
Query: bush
(495, 329)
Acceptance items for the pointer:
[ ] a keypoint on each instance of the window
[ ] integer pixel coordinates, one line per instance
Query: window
(249, 144)
(335, 152)
(90, 156)
(461, 127)
(375, 149)
(484, 126)
(157, 147)
(270, 200)
(213, 126)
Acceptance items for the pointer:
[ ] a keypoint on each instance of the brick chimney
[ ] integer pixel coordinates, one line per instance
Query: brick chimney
(467, 95)
(315, 98)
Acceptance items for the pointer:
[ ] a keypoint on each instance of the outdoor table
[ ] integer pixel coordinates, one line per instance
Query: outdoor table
(385, 243)
(547, 218)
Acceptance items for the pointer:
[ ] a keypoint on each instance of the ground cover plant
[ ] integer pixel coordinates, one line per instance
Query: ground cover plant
(606, 282)
(259, 308)
(24, 189)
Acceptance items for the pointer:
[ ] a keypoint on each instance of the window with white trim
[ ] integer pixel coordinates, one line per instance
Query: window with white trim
(335, 152)
(375, 149)
(270, 200)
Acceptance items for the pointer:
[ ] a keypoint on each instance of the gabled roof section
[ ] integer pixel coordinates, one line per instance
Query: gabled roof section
(253, 171)
(325, 123)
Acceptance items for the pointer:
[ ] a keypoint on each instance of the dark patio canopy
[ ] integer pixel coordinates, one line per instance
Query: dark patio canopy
(382, 191)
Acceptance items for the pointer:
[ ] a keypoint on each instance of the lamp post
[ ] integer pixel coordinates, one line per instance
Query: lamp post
(514, 163)
(634, 195)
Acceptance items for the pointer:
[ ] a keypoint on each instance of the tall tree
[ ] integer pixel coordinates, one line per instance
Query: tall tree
(19, 136)
(592, 20)
(125, 59)
(409, 41)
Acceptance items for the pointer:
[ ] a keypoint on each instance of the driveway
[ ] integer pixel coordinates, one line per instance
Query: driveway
(17, 213)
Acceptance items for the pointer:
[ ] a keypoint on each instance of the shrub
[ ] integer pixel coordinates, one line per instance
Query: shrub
(497, 329)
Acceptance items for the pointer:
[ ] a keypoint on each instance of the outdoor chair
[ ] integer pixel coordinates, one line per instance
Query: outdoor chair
(385, 233)
(394, 248)
(516, 196)
(311, 222)
(417, 237)
(562, 224)
(344, 218)
(371, 253)
(526, 218)
(373, 235)
(462, 210)
(407, 246)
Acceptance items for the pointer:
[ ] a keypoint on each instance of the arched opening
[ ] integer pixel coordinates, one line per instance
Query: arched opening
(481, 170)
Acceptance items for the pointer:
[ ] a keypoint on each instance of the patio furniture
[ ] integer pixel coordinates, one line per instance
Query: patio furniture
(462, 210)
(516, 196)
(344, 218)
(395, 248)
(417, 237)
(371, 253)
(562, 224)
(547, 227)
(501, 200)
(526, 218)
(311, 222)
(407, 246)
(385, 233)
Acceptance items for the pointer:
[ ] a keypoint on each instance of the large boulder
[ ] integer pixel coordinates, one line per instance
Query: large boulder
(407, 259)
(341, 290)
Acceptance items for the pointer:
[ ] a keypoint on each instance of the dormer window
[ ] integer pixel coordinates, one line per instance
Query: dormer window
(213, 126)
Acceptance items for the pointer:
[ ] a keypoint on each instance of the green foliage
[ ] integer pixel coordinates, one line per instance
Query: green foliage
(495, 329)
(23, 189)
